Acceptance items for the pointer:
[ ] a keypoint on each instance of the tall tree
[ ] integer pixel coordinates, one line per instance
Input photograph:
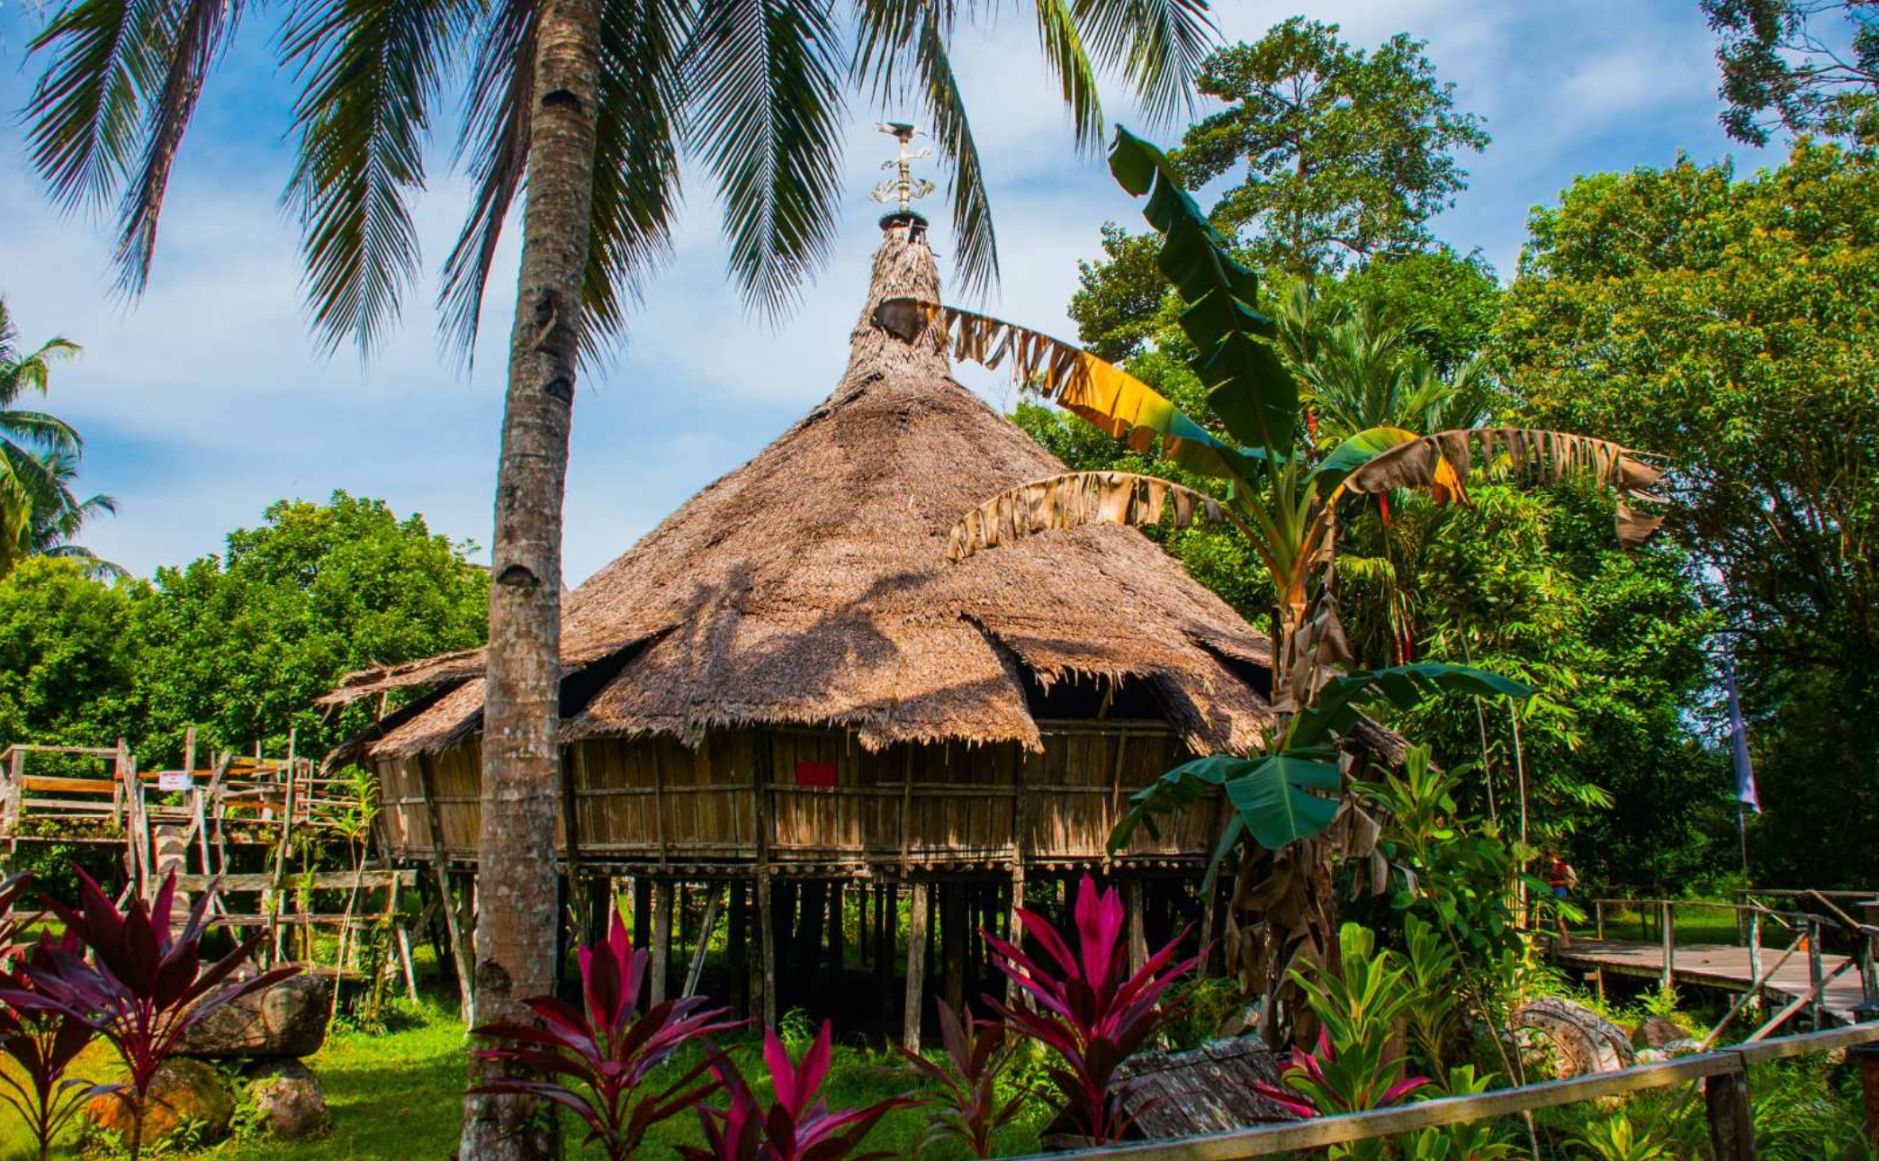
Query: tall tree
(1733, 326)
(39, 455)
(1802, 65)
(1346, 153)
(587, 102)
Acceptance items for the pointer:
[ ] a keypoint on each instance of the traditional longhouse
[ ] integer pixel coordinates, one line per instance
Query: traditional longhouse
(786, 683)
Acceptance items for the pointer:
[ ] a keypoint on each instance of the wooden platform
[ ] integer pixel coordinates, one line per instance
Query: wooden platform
(1716, 966)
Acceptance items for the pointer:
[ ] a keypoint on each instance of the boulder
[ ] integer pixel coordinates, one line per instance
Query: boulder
(289, 1101)
(1578, 1040)
(1658, 1031)
(188, 1103)
(284, 1021)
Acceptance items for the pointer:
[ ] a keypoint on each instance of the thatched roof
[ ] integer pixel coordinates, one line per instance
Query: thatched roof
(811, 586)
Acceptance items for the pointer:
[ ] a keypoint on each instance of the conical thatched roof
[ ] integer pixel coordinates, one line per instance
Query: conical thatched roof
(811, 586)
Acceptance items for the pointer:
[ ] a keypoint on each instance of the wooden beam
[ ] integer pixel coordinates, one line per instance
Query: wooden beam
(373, 879)
(953, 943)
(916, 968)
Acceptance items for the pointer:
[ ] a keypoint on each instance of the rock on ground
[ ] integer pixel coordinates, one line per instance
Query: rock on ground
(185, 1093)
(285, 1021)
(290, 1101)
(1658, 1031)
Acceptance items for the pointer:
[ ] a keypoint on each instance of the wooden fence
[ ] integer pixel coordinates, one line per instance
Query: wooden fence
(1724, 1076)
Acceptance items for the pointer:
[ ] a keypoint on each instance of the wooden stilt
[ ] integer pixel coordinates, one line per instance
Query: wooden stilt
(1014, 932)
(766, 951)
(805, 953)
(735, 944)
(886, 915)
(460, 952)
(916, 969)
(953, 942)
(837, 942)
(705, 927)
(642, 912)
(661, 939)
(1138, 929)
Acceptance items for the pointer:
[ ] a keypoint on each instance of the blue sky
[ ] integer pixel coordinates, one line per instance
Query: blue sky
(207, 399)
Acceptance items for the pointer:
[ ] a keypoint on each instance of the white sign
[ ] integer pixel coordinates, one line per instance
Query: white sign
(175, 780)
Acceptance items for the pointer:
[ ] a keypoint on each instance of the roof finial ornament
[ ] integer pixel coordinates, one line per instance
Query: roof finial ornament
(903, 188)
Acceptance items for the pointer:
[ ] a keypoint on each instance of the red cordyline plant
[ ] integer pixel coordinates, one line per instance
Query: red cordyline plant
(798, 1125)
(1090, 1011)
(964, 1091)
(140, 987)
(596, 1059)
(1317, 1085)
(41, 1045)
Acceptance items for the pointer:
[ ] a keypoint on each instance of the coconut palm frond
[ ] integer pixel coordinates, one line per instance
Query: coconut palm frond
(195, 39)
(84, 114)
(493, 145)
(1061, 38)
(371, 71)
(636, 164)
(1073, 500)
(766, 119)
(1158, 44)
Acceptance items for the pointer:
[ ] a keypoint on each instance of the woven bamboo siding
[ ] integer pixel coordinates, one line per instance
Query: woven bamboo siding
(656, 800)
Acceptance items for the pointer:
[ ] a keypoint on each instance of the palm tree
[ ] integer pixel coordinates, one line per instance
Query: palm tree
(39, 452)
(588, 102)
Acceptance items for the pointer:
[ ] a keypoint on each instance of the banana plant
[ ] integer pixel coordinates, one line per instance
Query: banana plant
(1293, 818)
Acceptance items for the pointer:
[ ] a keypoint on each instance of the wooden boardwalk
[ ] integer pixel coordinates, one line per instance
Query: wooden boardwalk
(1717, 966)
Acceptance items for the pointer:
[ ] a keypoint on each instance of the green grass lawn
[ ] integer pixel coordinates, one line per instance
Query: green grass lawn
(398, 1093)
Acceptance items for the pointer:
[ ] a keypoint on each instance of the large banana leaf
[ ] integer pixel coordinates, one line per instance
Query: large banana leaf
(1272, 795)
(1098, 391)
(1072, 500)
(1248, 386)
(1333, 710)
(1439, 463)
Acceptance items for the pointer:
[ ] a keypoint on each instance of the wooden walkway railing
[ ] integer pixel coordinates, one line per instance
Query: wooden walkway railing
(1813, 977)
(1724, 1076)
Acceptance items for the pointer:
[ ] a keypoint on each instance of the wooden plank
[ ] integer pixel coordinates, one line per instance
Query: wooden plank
(52, 784)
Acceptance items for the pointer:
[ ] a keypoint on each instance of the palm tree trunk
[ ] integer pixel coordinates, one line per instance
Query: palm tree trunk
(516, 915)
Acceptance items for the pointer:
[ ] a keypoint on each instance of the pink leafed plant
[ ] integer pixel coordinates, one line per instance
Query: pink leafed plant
(124, 975)
(597, 1059)
(964, 1091)
(42, 1046)
(1089, 1009)
(798, 1125)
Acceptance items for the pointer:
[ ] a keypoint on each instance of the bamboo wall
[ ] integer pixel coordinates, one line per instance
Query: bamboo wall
(750, 797)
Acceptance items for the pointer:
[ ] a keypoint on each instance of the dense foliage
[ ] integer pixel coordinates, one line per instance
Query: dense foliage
(1347, 153)
(1801, 65)
(238, 644)
(1730, 325)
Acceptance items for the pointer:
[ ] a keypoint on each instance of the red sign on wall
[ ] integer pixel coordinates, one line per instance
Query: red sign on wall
(817, 774)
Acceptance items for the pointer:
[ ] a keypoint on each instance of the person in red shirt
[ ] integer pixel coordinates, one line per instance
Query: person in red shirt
(1562, 879)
